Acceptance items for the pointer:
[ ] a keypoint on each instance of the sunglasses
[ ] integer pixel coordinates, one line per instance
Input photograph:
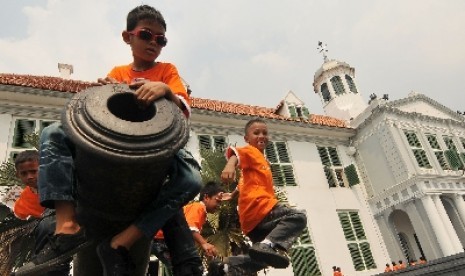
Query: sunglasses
(147, 35)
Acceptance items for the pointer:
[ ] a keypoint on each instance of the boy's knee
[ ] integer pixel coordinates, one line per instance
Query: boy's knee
(301, 218)
(51, 131)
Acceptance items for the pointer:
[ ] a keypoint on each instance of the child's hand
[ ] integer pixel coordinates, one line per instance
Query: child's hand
(228, 174)
(209, 249)
(147, 92)
(226, 196)
(106, 80)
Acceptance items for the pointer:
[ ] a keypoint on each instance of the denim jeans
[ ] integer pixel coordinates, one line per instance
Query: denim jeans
(56, 182)
(44, 229)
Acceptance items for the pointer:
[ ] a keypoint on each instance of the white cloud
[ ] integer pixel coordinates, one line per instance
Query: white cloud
(230, 50)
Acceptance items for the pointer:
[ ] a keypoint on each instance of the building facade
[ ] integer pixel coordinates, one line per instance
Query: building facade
(381, 181)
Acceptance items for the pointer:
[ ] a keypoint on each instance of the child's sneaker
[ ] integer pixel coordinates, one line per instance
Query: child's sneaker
(272, 256)
(58, 249)
(115, 262)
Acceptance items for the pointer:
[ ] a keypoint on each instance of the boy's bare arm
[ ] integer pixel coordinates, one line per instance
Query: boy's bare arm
(209, 249)
(149, 91)
(229, 172)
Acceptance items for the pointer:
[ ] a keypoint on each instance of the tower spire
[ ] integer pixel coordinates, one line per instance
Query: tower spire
(323, 50)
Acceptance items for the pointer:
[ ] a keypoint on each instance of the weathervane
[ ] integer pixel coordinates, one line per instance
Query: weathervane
(322, 48)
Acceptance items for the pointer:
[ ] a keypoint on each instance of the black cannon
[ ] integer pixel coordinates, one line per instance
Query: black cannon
(123, 152)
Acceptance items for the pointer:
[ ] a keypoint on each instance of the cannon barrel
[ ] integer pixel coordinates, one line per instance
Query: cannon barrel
(122, 154)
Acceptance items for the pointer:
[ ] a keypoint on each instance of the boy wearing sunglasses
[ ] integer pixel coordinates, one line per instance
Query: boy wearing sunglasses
(145, 34)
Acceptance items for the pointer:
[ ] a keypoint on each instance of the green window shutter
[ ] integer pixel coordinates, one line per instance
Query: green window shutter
(288, 174)
(442, 160)
(422, 159)
(282, 152)
(433, 141)
(462, 157)
(367, 255)
(305, 112)
(337, 85)
(453, 159)
(219, 142)
(334, 156)
(351, 174)
(351, 84)
(330, 177)
(449, 143)
(356, 256)
(304, 262)
(324, 156)
(346, 226)
(204, 142)
(278, 178)
(412, 139)
(357, 225)
(270, 153)
(292, 111)
(23, 127)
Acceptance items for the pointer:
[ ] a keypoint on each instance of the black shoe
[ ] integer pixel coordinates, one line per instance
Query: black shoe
(272, 256)
(115, 262)
(216, 268)
(58, 249)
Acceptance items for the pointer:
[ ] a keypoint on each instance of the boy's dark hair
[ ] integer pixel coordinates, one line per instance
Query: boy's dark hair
(253, 121)
(210, 189)
(27, 155)
(144, 12)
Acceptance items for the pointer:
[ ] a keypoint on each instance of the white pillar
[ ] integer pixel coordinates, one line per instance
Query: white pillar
(455, 241)
(390, 237)
(436, 223)
(460, 206)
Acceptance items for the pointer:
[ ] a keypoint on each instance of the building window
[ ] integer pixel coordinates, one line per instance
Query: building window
(21, 128)
(281, 165)
(454, 157)
(357, 242)
(298, 111)
(337, 85)
(332, 166)
(325, 92)
(417, 149)
(212, 142)
(438, 152)
(303, 257)
(351, 84)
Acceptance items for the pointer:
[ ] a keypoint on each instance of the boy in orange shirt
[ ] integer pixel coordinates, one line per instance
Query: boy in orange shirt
(196, 216)
(145, 34)
(272, 227)
(28, 205)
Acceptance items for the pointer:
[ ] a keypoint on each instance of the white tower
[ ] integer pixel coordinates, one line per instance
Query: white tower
(335, 83)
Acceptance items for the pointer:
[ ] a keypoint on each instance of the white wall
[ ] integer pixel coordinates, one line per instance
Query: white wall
(5, 124)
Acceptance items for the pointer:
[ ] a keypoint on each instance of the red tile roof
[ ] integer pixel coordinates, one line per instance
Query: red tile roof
(73, 86)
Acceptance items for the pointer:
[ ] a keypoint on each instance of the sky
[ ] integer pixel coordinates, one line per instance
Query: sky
(252, 52)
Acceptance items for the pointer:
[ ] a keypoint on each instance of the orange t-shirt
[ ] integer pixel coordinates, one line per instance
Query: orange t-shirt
(196, 216)
(256, 193)
(164, 72)
(28, 204)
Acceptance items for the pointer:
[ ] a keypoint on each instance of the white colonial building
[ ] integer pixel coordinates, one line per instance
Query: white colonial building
(380, 181)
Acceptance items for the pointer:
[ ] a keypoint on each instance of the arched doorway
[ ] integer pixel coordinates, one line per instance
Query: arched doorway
(407, 238)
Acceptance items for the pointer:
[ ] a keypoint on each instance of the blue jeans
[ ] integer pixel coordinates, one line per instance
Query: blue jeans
(43, 230)
(56, 180)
